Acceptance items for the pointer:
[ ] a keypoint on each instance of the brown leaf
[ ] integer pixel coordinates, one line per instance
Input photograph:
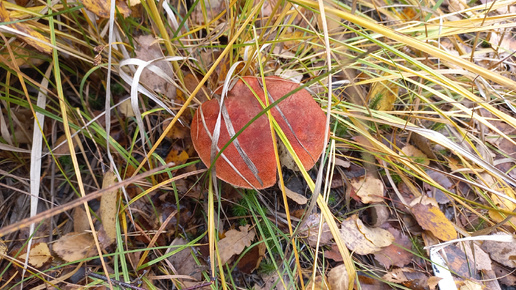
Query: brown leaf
(361, 239)
(338, 278)
(394, 255)
(407, 277)
(432, 219)
(369, 188)
(108, 208)
(75, 246)
(149, 49)
(481, 258)
(443, 181)
(39, 255)
(80, 220)
(235, 242)
(310, 230)
(183, 261)
(333, 253)
(252, 259)
(502, 252)
(319, 283)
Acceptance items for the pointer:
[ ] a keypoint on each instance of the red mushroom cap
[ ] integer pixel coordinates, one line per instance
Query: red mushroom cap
(305, 133)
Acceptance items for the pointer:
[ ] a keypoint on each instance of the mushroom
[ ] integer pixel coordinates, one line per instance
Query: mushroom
(255, 162)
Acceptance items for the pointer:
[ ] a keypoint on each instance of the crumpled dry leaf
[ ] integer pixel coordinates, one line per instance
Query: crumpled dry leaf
(432, 219)
(338, 278)
(184, 262)
(369, 188)
(442, 180)
(235, 242)
(311, 230)
(39, 255)
(409, 277)
(149, 49)
(361, 239)
(75, 246)
(502, 252)
(394, 255)
(481, 258)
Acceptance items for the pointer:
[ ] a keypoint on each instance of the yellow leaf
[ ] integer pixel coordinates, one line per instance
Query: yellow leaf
(415, 154)
(26, 29)
(101, 7)
(39, 255)
(177, 156)
(432, 219)
(383, 95)
(108, 208)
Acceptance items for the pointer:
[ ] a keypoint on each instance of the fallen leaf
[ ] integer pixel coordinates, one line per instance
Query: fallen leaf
(481, 258)
(383, 94)
(319, 283)
(234, 242)
(75, 246)
(310, 230)
(502, 252)
(80, 220)
(148, 50)
(338, 278)
(39, 255)
(504, 275)
(178, 131)
(442, 180)
(393, 254)
(252, 259)
(369, 188)
(296, 197)
(101, 8)
(431, 218)
(183, 261)
(407, 277)
(178, 156)
(108, 208)
(333, 253)
(271, 281)
(458, 263)
(361, 239)
(415, 154)
(41, 45)
(470, 285)
(126, 108)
